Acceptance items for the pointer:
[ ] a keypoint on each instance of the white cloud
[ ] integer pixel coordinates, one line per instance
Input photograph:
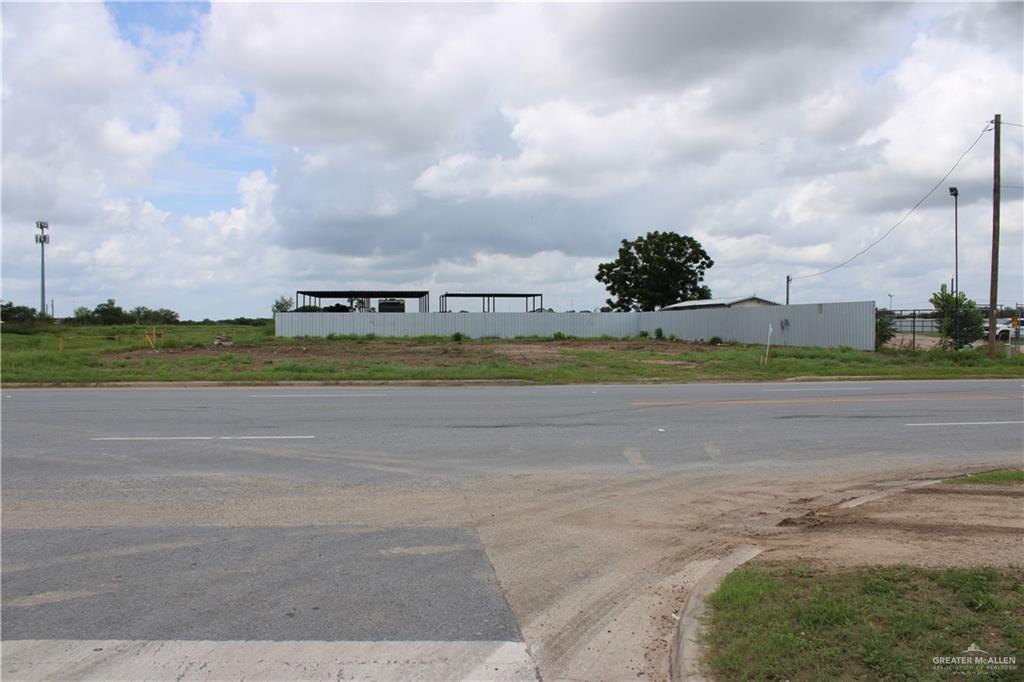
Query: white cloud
(502, 147)
(569, 149)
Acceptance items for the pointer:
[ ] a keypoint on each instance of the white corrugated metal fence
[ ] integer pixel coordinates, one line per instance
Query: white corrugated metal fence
(817, 324)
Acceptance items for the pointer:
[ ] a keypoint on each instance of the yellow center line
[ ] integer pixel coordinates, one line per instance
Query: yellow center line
(810, 401)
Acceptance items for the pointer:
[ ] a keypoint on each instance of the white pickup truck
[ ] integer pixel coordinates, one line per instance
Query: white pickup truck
(1004, 330)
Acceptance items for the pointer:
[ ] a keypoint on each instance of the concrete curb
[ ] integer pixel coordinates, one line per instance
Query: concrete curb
(686, 656)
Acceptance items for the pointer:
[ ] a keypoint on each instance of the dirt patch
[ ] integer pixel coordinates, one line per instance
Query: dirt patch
(937, 526)
(439, 353)
(906, 341)
(390, 352)
(670, 363)
(530, 355)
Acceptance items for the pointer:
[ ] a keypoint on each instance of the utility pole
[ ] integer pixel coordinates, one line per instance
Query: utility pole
(994, 286)
(42, 239)
(955, 193)
(789, 278)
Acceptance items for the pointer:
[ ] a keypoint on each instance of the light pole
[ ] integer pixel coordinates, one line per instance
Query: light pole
(42, 239)
(955, 193)
(890, 301)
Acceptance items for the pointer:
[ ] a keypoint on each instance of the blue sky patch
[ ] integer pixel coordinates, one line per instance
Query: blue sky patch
(133, 18)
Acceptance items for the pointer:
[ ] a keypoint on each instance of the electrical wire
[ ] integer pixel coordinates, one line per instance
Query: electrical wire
(1007, 123)
(903, 219)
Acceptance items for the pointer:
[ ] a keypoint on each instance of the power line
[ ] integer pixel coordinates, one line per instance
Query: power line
(908, 214)
(1007, 123)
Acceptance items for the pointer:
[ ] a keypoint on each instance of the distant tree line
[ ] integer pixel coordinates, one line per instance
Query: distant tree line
(111, 313)
(17, 314)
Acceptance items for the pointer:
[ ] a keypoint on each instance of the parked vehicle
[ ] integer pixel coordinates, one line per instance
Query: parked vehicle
(1003, 330)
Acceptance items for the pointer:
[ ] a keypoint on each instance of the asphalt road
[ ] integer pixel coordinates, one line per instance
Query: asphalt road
(80, 600)
(55, 436)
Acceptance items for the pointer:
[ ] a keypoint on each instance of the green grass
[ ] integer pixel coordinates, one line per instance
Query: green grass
(1001, 477)
(53, 354)
(795, 622)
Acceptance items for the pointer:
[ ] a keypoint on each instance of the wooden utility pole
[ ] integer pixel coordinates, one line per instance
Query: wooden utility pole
(994, 286)
(789, 278)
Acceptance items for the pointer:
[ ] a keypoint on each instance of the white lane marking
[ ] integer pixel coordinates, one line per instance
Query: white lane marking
(837, 388)
(634, 457)
(964, 423)
(42, 598)
(427, 550)
(155, 438)
(204, 438)
(317, 395)
(63, 659)
(266, 437)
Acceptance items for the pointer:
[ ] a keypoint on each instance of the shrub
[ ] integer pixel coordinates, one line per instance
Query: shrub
(659, 333)
(457, 337)
(558, 336)
(715, 340)
(961, 319)
(644, 334)
(885, 327)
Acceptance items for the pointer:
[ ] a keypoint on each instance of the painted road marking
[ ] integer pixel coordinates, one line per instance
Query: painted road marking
(317, 395)
(819, 401)
(964, 423)
(119, 659)
(836, 388)
(712, 451)
(204, 438)
(634, 457)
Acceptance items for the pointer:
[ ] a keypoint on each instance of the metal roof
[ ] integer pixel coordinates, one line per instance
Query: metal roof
(717, 303)
(489, 295)
(365, 293)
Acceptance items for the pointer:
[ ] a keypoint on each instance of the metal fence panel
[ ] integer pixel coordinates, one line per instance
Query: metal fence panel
(473, 325)
(926, 325)
(816, 324)
(827, 325)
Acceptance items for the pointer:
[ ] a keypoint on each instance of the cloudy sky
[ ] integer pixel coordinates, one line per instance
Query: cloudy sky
(210, 158)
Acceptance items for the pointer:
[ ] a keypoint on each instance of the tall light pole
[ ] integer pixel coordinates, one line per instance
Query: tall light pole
(953, 192)
(890, 301)
(42, 239)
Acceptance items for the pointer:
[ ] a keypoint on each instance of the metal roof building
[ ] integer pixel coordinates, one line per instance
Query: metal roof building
(316, 297)
(737, 302)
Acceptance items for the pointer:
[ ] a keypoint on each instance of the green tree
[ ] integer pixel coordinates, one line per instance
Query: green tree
(654, 271)
(283, 305)
(83, 315)
(959, 318)
(885, 327)
(111, 313)
(17, 313)
(144, 315)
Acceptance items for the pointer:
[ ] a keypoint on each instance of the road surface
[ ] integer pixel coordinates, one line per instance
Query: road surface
(431, 532)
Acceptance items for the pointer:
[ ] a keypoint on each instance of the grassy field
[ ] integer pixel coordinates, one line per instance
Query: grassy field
(1001, 477)
(85, 355)
(789, 622)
